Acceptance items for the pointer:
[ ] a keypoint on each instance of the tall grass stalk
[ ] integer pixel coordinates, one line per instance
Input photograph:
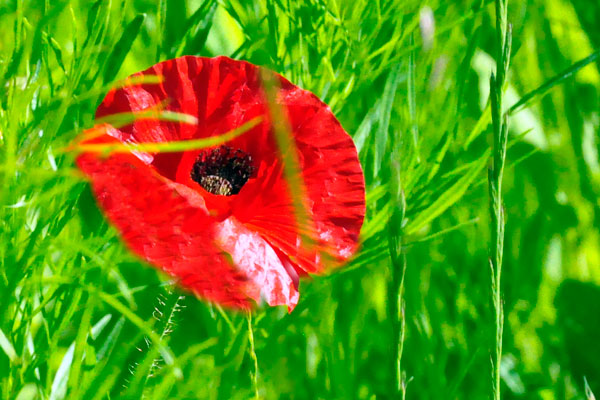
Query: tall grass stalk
(396, 306)
(500, 131)
(168, 305)
(253, 356)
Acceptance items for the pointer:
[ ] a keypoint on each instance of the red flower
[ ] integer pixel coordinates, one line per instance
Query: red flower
(222, 220)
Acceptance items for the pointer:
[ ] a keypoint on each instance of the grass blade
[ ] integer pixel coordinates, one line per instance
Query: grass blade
(448, 198)
(200, 23)
(8, 348)
(384, 116)
(164, 147)
(61, 378)
(122, 48)
(556, 80)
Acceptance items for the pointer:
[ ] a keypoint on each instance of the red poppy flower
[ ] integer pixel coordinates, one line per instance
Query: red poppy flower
(222, 220)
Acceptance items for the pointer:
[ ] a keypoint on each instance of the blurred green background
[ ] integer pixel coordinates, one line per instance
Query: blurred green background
(80, 317)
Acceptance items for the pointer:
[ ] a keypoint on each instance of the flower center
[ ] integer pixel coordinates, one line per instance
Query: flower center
(222, 171)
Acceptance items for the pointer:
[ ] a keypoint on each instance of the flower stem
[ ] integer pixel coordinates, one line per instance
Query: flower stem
(253, 355)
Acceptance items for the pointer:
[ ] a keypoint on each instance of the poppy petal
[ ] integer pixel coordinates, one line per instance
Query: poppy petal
(259, 262)
(165, 225)
(333, 180)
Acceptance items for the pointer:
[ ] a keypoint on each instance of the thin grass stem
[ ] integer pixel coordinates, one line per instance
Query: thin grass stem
(396, 304)
(253, 356)
(500, 132)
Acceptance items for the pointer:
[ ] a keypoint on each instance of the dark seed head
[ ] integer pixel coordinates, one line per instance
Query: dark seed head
(223, 171)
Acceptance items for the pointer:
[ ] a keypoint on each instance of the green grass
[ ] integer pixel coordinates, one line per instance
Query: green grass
(416, 314)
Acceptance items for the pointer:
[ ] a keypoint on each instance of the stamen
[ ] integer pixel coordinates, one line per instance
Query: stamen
(223, 171)
(216, 185)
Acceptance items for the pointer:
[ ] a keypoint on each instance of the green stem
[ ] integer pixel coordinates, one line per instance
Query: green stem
(396, 289)
(168, 306)
(500, 132)
(253, 355)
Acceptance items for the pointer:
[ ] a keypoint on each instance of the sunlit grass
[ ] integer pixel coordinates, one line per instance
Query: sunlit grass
(412, 314)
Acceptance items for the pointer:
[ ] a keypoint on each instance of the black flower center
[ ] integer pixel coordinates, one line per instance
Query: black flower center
(222, 171)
